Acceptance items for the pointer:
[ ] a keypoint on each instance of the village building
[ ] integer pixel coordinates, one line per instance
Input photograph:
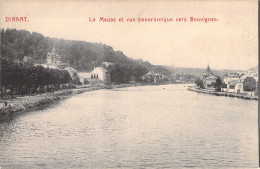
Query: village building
(246, 85)
(235, 74)
(210, 81)
(224, 88)
(53, 57)
(241, 82)
(207, 73)
(98, 76)
(231, 86)
(226, 81)
(230, 79)
(107, 64)
(148, 77)
(253, 72)
(86, 78)
(208, 78)
(102, 74)
(153, 77)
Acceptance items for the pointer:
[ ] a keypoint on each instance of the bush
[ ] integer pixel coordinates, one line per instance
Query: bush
(199, 83)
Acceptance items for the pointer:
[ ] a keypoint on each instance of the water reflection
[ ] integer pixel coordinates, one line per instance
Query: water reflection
(134, 127)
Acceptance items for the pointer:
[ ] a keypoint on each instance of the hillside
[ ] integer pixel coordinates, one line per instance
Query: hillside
(84, 56)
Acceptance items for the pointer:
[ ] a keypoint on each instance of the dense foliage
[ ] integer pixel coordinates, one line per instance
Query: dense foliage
(17, 76)
(250, 84)
(83, 56)
(80, 54)
(218, 84)
(17, 44)
(125, 73)
(199, 83)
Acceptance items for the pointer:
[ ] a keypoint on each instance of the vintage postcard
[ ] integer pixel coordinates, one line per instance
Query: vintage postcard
(129, 84)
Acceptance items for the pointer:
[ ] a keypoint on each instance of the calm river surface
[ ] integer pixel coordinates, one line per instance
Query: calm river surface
(135, 127)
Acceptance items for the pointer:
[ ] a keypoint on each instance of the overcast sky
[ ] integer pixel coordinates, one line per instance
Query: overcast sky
(230, 43)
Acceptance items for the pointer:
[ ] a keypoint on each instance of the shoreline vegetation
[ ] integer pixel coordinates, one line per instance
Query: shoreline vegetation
(27, 102)
(227, 94)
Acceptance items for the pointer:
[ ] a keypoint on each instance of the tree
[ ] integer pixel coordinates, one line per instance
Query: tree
(199, 83)
(16, 76)
(4, 75)
(249, 84)
(218, 84)
(15, 44)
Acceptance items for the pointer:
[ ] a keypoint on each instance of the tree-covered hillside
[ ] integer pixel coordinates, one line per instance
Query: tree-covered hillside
(84, 56)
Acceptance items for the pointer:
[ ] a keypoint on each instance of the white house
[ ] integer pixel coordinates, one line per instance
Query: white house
(100, 73)
(246, 84)
(97, 76)
(228, 84)
(231, 86)
(239, 88)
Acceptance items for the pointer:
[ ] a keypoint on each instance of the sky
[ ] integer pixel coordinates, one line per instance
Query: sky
(229, 43)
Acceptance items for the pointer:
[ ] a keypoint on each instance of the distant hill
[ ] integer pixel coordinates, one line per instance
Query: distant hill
(82, 55)
(254, 69)
(199, 71)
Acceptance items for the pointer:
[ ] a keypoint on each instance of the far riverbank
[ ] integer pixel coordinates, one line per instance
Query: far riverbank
(227, 94)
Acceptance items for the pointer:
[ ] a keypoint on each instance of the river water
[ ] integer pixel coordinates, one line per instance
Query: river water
(136, 127)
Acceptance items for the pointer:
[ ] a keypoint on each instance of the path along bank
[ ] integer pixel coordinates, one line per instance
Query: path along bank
(23, 103)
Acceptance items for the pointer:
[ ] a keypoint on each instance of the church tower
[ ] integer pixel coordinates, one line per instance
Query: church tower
(208, 69)
(52, 57)
(207, 73)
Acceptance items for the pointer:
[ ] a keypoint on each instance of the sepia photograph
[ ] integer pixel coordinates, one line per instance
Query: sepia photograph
(129, 84)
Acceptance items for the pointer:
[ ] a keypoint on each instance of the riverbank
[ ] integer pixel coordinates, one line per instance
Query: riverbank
(24, 103)
(227, 94)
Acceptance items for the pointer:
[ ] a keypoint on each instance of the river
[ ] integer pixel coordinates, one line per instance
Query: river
(162, 126)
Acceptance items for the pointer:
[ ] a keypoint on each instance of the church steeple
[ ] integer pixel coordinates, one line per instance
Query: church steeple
(207, 73)
(208, 69)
